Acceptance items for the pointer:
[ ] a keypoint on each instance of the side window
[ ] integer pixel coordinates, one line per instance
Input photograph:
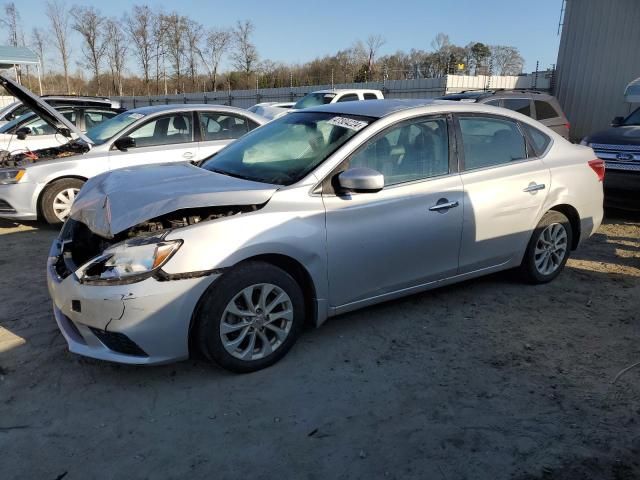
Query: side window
(520, 105)
(490, 141)
(544, 110)
(493, 103)
(370, 96)
(252, 124)
(539, 140)
(216, 126)
(350, 97)
(95, 117)
(411, 151)
(166, 130)
(40, 127)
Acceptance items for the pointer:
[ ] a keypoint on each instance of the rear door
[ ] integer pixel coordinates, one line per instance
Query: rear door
(218, 129)
(161, 139)
(505, 186)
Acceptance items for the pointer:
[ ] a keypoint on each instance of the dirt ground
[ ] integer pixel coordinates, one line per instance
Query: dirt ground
(489, 379)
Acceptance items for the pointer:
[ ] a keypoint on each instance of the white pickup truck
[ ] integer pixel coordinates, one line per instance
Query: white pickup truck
(323, 97)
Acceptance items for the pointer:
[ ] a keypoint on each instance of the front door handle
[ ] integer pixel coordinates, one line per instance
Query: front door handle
(187, 155)
(534, 187)
(443, 205)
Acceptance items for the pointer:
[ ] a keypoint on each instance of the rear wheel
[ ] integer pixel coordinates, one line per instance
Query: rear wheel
(250, 318)
(548, 249)
(57, 199)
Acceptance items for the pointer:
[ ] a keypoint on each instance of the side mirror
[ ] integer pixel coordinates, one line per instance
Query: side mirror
(124, 143)
(617, 121)
(361, 180)
(22, 133)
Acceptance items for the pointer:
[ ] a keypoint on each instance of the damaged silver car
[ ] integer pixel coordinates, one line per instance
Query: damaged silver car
(317, 213)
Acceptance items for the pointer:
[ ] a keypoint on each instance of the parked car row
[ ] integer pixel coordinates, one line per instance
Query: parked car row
(210, 229)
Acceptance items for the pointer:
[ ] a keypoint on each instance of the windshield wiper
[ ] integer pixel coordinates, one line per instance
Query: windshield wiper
(235, 175)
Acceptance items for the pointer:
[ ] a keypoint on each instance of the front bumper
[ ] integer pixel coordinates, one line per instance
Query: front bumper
(18, 201)
(142, 323)
(622, 189)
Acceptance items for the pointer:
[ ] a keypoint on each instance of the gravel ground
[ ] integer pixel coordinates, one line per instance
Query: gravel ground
(488, 379)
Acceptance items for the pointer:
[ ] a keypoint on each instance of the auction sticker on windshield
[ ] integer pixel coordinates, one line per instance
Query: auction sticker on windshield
(349, 123)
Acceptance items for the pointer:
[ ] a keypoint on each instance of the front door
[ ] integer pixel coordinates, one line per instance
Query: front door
(408, 233)
(163, 139)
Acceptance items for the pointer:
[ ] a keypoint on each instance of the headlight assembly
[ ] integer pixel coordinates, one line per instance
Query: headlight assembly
(129, 261)
(11, 175)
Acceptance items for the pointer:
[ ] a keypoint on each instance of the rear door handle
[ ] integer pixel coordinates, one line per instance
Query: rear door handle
(534, 187)
(443, 205)
(187, 155)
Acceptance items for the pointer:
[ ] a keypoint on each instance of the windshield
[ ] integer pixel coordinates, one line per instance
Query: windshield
(314, 99)
(107, 129)
(633, 119)
(8, 127)
(285, 150)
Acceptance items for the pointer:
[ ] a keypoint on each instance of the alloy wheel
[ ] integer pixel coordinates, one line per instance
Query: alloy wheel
(256, 321)
(551, 248)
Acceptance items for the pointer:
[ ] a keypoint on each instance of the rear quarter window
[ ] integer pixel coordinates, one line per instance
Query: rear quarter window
(539, 141)
(545, 110)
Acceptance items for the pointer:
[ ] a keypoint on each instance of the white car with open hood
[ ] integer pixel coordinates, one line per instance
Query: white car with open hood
(44, 183)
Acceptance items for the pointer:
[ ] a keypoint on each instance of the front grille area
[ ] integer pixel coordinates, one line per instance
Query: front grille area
(118, 342)
(6, 208)
(615, 148)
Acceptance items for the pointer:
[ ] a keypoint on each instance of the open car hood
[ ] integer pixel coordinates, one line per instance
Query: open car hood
(115, 201)
(42, 109)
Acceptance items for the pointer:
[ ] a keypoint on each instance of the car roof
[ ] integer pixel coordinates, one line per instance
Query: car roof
(478, 95)
(343, 90)
(376, 108)
(153, 109)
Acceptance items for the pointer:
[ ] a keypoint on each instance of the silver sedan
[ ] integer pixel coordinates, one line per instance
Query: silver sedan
(318, 213)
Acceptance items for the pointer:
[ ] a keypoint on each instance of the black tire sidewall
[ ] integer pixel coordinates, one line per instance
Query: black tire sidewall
(220, 293)
(46, 202)
(528, 267)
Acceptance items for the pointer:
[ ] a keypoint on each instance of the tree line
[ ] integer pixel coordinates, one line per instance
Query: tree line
(149, 52)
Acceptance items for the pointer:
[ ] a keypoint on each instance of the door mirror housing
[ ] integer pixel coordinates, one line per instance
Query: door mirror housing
(361, 180)
(124, 143)
(617, 121)
(22, 133)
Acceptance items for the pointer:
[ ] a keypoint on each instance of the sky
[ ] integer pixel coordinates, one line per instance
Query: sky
(293, 31)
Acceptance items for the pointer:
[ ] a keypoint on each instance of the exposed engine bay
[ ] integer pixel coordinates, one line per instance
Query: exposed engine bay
(80, 244)
(21, 159)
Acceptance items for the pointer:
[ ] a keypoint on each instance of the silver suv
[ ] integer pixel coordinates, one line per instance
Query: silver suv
(532, 103)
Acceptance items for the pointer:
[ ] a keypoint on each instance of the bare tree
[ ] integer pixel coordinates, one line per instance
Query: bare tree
(192, 35)
(59, 18)
(506, 60)
(159, 32)
(11, 21)
(245, 55)
(89, 23)
(140, 28)
(175, 41)
(116, 52)
(38, 42)
(374, 44)
(215, 45)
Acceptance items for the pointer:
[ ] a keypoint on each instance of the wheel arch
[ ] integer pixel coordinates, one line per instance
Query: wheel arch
(572, 214)
(48, 185)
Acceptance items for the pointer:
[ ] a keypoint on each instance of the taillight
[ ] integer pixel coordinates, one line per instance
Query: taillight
(597, 166)
(567, 126)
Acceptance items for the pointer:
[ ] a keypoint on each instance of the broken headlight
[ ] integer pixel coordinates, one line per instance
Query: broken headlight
(129, 261)
(11, 175)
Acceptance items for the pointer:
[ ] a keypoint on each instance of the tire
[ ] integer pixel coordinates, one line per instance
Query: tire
(552, 239)
(272, 334)
(53, 199)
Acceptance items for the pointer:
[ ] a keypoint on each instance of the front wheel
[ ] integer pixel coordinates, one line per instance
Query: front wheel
(548, 249)
(250, 317)
(57, 199)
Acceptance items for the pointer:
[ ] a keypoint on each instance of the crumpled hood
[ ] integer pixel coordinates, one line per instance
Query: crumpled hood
(625, 135)
(114, 201)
